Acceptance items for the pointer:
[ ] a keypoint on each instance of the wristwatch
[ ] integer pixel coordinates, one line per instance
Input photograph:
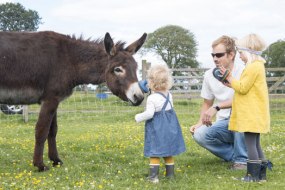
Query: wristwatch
(217, 108)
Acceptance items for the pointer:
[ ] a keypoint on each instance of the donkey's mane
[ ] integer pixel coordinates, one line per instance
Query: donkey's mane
(120, 45)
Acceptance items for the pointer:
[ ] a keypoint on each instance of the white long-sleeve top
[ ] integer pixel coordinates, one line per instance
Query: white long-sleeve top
(154, 104)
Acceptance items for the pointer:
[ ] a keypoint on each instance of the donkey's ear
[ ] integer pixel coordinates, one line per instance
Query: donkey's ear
(109, 45)
(135, 46)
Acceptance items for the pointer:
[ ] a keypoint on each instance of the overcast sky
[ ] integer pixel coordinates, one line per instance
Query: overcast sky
(127, 20)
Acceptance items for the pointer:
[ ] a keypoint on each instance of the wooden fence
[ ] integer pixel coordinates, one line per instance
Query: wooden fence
(188, 81)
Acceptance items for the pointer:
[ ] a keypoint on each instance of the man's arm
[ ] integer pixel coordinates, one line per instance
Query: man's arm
(205, 107)
(225, 104)
(208, 111)
(212, 111)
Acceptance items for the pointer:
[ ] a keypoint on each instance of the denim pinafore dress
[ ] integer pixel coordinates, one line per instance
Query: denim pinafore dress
(163, 135)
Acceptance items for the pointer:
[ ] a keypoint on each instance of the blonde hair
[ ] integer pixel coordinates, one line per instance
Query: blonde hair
(159, 78)
(228, 42)
(251, 42)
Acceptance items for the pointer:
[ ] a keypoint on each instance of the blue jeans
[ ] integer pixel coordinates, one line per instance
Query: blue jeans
(222, 142)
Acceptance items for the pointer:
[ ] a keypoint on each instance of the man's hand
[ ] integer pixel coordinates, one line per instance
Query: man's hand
(208, 116)
(194, 127)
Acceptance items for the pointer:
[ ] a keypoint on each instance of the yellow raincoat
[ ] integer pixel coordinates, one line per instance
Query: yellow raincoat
(250, 107)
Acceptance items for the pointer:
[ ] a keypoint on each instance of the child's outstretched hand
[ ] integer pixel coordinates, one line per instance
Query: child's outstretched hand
(136, 118)
(228, 77)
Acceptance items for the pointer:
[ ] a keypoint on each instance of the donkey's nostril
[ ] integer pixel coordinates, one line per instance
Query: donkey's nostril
(137, 99)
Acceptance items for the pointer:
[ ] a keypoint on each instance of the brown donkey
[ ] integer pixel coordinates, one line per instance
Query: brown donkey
(44, 67)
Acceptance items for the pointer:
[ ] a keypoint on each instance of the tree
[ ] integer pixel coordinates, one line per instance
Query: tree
(14, 17)
(275, 56)
(175, 45)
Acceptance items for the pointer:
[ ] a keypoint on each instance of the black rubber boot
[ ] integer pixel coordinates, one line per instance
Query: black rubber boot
(153, 174)
(169, 171)
(253, 171)
(264, 165)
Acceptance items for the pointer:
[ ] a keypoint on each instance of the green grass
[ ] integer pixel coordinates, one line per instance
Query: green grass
(102, 148)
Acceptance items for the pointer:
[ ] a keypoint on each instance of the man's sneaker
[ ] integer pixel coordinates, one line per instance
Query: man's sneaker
(238, 166)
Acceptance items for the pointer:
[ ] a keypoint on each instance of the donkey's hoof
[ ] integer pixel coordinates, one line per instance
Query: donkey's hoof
(43, 168)
(57, 163)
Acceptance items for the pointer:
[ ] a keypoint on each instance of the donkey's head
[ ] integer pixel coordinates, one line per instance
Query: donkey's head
(121, 75)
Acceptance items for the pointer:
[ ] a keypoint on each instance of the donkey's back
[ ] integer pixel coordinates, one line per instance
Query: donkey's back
(27, 63)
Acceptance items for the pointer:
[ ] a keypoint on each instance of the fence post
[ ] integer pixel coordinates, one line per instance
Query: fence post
(189, 80)
(145, 67)
(26, 113)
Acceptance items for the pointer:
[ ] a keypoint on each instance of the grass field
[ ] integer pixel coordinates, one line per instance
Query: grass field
(102, 148)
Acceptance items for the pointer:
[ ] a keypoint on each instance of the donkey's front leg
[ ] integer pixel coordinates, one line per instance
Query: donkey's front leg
(48, 110)
(52, 148)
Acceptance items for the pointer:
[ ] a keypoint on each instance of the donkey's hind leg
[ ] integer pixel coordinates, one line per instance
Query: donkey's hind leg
(52, 148)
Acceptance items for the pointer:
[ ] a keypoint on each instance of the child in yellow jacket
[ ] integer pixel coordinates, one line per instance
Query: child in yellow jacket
(250, 106)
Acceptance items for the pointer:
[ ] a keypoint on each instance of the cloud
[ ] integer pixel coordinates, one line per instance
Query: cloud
(127, 20)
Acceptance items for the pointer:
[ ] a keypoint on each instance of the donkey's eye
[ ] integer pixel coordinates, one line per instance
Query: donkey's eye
(118, 70)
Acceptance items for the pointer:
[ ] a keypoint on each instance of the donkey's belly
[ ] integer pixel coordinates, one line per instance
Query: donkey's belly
(20, 96)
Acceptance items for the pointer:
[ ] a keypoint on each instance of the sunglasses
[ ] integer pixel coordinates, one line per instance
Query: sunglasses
(218, 55)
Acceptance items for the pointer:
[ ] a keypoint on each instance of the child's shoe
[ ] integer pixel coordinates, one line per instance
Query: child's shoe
(169, 171)
(153, 174)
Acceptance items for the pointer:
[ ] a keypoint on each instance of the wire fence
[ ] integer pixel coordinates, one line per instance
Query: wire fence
(95, 102)
(88, 106)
